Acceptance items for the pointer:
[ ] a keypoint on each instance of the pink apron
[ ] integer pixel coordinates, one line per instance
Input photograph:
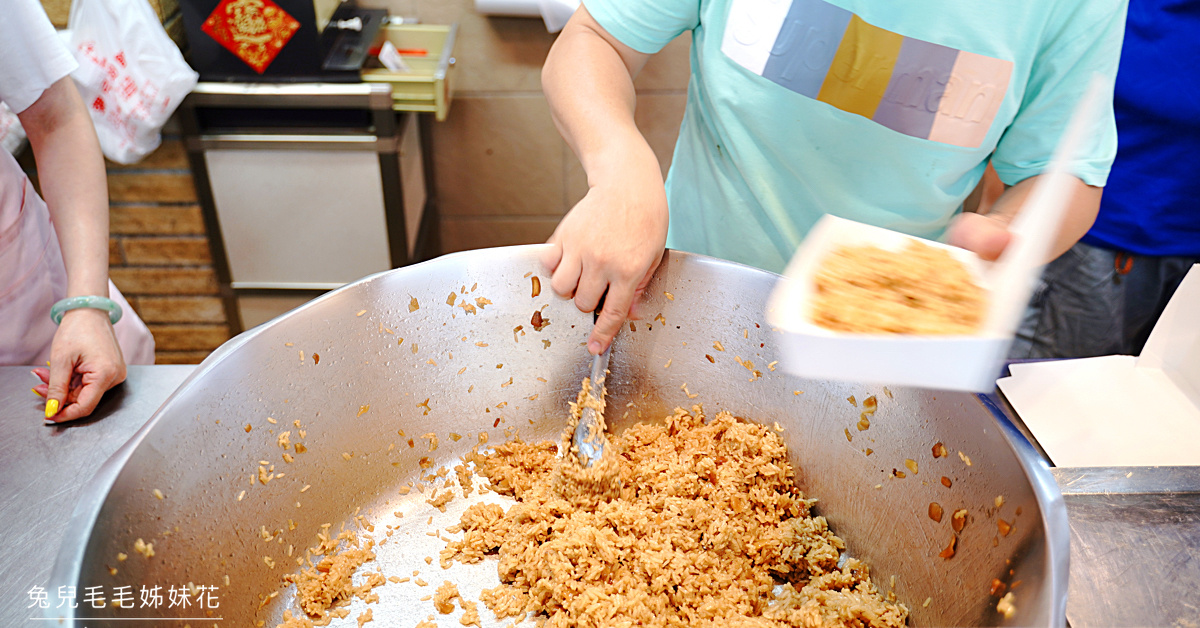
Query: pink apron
(33, 278)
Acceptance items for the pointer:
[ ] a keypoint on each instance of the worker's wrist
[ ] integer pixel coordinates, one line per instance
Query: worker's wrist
(83, 314)
(624, 162)
(93, 280)
(69, 304)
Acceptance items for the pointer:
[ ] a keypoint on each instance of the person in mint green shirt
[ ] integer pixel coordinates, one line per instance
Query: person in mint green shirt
(882, 112)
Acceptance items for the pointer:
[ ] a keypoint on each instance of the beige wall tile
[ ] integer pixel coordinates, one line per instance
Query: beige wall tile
(159, 280)
(460, 234)
(501, 53)
(170, 338)
(577, 183)
(155, 220)
(181, 310)
(499, 157)
(181, 251)
(658, 117)
(507, 53)
(669, 69)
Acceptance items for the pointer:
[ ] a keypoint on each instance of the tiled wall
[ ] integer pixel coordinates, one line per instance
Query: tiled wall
(504, 175)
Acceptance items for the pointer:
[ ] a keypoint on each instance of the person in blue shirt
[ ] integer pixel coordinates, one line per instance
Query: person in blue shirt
(882, 112)
(1104, 295)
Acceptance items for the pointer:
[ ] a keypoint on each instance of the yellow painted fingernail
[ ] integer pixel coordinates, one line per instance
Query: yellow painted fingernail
(35, 391)
(51, 407)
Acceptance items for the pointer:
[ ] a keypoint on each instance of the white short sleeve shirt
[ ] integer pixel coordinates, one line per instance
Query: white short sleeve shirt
(32, 57)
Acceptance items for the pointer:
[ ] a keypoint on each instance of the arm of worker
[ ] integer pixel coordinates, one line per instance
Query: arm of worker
(1083, 41)
(613, 239)
(85, 360)
(985, 231)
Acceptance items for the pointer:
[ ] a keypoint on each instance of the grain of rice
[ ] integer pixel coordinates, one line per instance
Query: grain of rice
(443, 600)
(143, 548)
(470, 616)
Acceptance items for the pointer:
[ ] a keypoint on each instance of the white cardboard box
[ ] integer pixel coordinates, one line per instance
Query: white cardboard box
(1120, 410)
(945, 362)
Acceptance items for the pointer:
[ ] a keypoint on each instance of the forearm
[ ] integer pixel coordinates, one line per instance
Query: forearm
(1080, 214)
(73, 182)
(588, 81)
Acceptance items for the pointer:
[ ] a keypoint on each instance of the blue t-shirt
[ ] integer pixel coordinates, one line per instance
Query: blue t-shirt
(880, 112)
(1151, 205)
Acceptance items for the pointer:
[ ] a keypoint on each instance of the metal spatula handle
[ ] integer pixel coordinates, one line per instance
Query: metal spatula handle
(589, 421)
(591, 450)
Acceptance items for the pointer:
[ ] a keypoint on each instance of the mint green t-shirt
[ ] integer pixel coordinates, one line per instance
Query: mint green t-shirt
(880, 111)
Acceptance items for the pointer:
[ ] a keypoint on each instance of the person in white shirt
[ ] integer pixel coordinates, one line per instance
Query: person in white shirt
(57, 304)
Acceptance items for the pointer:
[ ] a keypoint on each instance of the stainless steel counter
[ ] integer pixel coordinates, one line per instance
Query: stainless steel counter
(1135, 541)
(1135, 545)
(1135, 532)
(43, 469)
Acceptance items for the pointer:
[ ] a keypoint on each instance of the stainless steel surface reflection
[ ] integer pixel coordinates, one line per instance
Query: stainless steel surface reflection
(44, 469)
(400, 360)
(1135, 545)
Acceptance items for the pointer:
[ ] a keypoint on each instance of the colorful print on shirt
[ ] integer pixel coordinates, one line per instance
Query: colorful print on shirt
(829, 54)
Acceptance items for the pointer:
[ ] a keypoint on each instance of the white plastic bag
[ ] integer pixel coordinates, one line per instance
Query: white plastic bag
(131, 75)
(12, 134)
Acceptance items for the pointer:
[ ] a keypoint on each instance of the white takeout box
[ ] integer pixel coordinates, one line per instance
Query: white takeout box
(1120, 410)
(946, 362)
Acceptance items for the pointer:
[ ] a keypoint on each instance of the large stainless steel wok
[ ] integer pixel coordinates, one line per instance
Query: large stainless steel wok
(395, 356)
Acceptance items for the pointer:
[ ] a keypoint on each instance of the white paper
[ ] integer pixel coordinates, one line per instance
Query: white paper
(1120, 410)
(12, 134)
(391, 59)
(1174, 343)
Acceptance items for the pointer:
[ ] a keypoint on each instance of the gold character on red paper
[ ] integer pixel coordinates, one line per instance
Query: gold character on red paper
(254, 30)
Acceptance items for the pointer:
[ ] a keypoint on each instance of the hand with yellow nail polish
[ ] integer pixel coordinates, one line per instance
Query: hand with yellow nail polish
(85, 362)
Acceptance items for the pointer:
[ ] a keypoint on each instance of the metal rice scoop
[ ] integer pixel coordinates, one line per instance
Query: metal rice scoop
(590, 423)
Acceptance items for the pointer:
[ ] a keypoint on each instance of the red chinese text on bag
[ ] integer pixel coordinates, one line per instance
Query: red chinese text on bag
(131, 75)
